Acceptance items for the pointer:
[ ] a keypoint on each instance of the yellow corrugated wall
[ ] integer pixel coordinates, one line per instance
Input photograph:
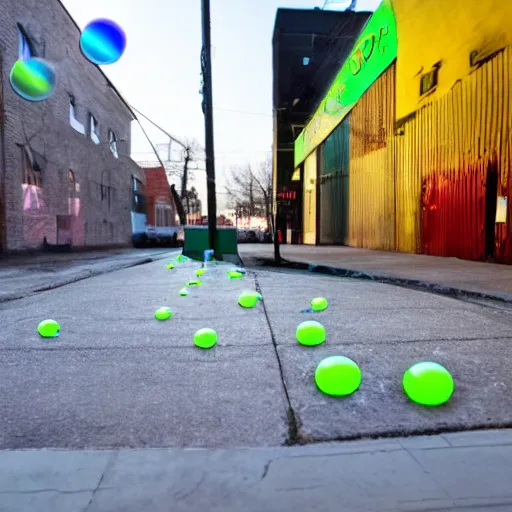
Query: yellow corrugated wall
(309, 202)
(372, 167)
(450, 143)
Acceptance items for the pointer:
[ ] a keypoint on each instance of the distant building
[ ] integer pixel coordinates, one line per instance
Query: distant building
(66, 177)
(192, 205)
(161, 208)
(309, 46)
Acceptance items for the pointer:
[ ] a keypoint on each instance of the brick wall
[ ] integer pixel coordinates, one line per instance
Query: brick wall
(158, 192)
(102, 203)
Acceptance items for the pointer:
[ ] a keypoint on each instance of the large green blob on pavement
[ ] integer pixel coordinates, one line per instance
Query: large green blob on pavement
(338, 376)
(310, 333)
(428, 383)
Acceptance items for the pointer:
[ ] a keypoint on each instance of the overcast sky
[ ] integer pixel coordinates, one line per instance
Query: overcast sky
(160, 71)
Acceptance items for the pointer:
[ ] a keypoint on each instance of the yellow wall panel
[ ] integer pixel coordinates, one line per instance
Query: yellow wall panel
(431, 31)
(372, 167)
(443, 156)
(309, 202)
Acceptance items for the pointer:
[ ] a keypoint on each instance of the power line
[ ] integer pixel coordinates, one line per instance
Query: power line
(174, 139)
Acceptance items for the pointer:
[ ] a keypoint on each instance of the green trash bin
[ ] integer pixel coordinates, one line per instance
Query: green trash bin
(197, 241)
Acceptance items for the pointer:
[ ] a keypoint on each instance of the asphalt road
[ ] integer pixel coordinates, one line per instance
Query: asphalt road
(118, 378)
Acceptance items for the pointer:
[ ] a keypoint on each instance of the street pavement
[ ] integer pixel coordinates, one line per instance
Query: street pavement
(116, 377)
(24, 275)
(450, 276)
(188, 429)
(465, 472)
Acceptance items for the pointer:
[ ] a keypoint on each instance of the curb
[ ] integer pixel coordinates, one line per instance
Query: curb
(385, 279)
(80, 275)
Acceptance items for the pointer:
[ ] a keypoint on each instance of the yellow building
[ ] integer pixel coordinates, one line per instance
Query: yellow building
(429, 118)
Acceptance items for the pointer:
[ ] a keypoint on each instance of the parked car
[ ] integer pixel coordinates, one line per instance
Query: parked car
(251, 236)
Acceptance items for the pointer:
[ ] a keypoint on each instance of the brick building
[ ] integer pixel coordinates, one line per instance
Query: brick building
(161, 209)
(65, 171)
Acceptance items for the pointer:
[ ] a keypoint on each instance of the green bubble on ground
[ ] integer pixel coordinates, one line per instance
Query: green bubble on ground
(170, 266)
(337, 376)
(194, 283)
(235, 274)
(319, 304)
(163, 313)
(183, 292)
(200, 272)
(428, 383)
(49, 328)
(205, 338)
(310, 333)
(249, 299)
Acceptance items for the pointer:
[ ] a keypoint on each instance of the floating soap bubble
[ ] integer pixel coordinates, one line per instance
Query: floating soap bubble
(103, 41)
(200, 272)
(183, 292)
(235, 274)
(428, 383)
(33, 79)
(48, 328)
(249, 299)
(337, 376)
(310, 333)
(319, 304)
(163, 313)
(205, 338)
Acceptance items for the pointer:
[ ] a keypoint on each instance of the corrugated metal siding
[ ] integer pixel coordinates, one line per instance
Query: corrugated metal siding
(372, 167)
(445, 164)
(309, 201)
(334, 185)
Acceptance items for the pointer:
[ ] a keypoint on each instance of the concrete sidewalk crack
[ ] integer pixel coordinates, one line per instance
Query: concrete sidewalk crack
(108, 466)
(37, 491)
(293, 423)
(193, 490)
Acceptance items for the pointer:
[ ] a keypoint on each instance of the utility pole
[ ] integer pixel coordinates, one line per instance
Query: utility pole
(206, 68)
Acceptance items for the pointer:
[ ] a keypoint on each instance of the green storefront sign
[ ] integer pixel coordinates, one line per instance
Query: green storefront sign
(373, 52)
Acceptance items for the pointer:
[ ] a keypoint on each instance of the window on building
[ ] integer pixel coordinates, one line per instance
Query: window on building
(139, 203)
(112, 142)
(430, 80)
(72, 185)
(94, 130)
(73, 117)
(25, 48)
(31, 173)
(163, 215)
(106, 195)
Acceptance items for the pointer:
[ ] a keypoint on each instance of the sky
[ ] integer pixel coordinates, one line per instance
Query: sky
(159, 73)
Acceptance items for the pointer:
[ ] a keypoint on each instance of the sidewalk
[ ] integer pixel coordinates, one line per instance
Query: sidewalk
(23, 275)
(450, 276)
(178, 428)
(468, 472)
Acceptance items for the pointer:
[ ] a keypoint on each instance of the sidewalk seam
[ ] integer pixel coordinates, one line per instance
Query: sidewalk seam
(293, 424)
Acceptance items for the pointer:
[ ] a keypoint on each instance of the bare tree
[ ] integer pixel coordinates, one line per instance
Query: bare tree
(181, 168)
(250, 190)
